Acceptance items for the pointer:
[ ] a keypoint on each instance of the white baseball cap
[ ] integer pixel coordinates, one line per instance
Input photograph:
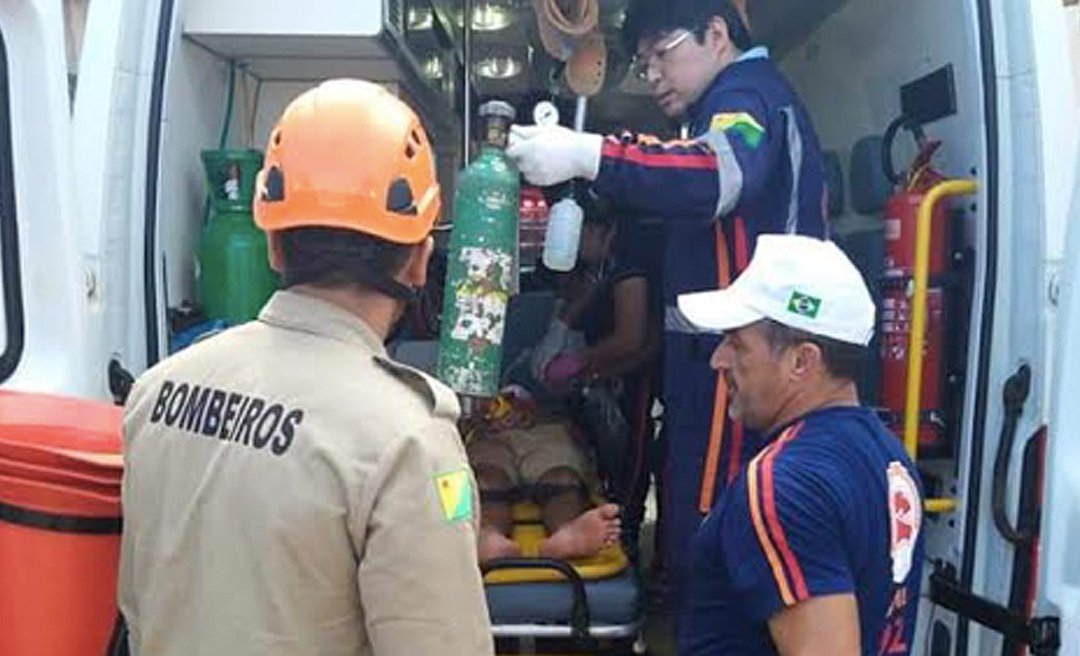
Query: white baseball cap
(801, 282)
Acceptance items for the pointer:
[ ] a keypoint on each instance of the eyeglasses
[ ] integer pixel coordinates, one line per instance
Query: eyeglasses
(643, 63)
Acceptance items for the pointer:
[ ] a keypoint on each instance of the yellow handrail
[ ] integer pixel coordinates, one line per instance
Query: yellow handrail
(916, 337)
(939, 505)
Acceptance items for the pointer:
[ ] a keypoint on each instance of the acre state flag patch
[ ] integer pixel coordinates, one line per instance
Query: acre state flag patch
(455, 495)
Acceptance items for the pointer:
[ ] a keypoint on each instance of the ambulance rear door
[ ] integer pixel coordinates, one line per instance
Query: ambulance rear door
(41, 319)
(1059, 570)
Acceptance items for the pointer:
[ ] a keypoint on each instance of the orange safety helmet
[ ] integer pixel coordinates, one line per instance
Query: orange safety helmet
(349, 154)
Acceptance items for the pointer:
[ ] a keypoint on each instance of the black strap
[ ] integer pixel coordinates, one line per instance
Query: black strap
(60, 523)
(362, 272)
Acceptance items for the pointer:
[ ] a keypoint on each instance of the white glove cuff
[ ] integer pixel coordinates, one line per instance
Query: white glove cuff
(589, 152)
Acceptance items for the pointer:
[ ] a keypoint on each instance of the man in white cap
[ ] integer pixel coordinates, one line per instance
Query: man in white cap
(816, 548)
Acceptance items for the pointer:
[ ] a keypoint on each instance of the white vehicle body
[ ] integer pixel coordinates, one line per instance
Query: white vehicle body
(105, 106)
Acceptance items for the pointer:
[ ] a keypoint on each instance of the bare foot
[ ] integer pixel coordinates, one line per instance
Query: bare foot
(496, 545)
(586, 535)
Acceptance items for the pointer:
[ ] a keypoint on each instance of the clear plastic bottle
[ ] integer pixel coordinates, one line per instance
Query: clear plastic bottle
(563, 235)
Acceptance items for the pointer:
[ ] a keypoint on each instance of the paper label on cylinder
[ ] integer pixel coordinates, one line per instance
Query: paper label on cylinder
(482, 297)
(470, 358)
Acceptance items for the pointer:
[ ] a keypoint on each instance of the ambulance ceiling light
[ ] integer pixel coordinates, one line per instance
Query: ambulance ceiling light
(498, 68)
(487, 17)
(420, 18)
(490, 17)
(433, 68)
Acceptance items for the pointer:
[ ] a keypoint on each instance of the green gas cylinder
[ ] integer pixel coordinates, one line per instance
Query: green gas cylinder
(481, 266)
(235, 277)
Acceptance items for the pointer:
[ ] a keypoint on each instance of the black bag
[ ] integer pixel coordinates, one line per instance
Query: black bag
(596, 409)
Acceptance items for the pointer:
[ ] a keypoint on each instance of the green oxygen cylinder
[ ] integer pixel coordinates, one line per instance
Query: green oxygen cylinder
(235, 278)
(481, 265)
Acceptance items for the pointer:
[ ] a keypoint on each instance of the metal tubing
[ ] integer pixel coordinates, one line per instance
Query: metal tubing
(939, 505)
(918, 305)
(580, 112)
(466, 151)
(916, 337)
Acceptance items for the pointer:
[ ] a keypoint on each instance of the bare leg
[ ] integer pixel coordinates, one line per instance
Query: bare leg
(573, 531)
(495, 520)
(566, 505)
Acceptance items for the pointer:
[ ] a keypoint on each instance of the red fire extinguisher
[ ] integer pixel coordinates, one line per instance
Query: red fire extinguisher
(901, 214)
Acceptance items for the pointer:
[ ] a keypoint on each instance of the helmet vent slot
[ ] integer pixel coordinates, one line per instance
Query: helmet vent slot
(274, 192)
(400, 198)
(414, 143)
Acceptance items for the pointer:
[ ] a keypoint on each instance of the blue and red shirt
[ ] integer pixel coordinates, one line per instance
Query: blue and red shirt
(833, 505)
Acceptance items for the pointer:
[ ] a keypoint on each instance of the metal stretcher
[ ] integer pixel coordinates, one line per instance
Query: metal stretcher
(539, 604)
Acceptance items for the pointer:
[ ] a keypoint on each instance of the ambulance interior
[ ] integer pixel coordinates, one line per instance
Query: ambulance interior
(857, 64)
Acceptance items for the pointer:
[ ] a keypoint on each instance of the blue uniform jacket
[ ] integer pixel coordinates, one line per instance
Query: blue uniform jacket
(754, 162)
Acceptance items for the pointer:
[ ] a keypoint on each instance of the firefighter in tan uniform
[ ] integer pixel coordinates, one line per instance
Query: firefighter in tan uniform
(289, 489)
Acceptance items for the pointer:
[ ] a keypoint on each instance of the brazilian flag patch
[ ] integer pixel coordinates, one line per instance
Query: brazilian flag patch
(455, 495)
(741, 124)
(804, 305)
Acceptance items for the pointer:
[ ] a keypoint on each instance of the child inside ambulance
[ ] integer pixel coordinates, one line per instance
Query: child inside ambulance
(521, 451)
(539, 441)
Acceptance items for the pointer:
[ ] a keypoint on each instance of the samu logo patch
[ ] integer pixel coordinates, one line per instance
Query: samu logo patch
(905, 519)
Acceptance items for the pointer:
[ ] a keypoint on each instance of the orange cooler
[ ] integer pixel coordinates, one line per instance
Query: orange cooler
(60, 520)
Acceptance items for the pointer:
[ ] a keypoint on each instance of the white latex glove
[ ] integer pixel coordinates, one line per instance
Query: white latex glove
(551, 154)
(552, 344)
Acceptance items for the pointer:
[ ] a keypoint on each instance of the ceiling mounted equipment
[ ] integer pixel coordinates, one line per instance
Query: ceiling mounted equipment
(586, 70)
(564, 23)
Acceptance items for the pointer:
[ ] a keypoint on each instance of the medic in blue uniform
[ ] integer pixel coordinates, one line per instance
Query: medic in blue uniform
(754, 140)
(817, 545)
(827, 508)
(753, 166)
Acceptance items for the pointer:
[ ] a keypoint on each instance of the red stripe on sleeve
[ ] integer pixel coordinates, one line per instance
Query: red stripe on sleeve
(615, 150)
(772, 518)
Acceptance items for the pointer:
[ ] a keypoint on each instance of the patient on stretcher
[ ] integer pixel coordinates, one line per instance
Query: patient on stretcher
(521, 452)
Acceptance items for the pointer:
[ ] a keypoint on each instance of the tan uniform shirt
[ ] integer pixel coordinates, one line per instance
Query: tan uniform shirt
(289, 490)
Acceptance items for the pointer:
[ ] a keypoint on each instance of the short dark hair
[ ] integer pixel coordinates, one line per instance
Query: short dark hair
(335, 257)
(843, 360)
(648, 19)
